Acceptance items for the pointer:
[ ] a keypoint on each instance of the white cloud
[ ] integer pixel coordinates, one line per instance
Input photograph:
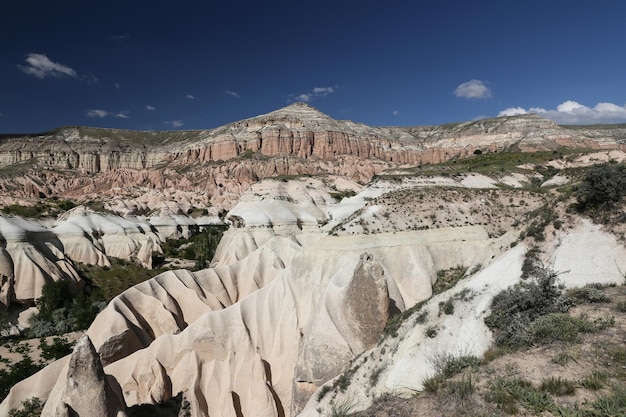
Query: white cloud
(232, 93)
(101, 114)
(97, 113)
(304, 97)
(573, 113)
(174, 123)
(315, 93)
(472, 89)
(512, 111)
(41, 67)
(151, 108)
(323, 91)
(189, 96)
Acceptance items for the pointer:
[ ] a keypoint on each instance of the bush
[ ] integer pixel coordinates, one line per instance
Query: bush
(558, 327)
(18, 371)
(603, 186)
(60, 311)
(59, 348)
(589, 294)
(513, 310)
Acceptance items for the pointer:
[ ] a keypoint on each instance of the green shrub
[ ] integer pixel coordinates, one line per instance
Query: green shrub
(17, 372)
(200, 247)
(449, 365)
(432, 384)
(325, 389)
(558, 327)
(588, 294)
(513, 310)
(59, 348)
(504, 392)
(60, 311)
(431, 331)
(447, 278)
(342, 409)
(603, 186)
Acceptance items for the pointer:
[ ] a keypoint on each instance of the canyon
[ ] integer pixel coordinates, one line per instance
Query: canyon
(336, 229)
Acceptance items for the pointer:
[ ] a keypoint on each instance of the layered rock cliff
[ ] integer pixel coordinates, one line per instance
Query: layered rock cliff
(295, 140)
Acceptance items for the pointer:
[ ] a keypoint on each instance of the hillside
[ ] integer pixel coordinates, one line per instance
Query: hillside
(357, 263)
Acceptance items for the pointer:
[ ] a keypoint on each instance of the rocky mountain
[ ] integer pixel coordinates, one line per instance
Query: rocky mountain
(327, 287)
(295, 140)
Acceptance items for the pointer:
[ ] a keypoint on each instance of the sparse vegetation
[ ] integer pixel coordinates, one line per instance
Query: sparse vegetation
(595, 380)
(447, 278)
(51, 207)
(200, 247)
(61, 311)
(558, 386)
(113, 280)
(31, 407)
(514, 310)
(59, 348)
(340, 195)
(18, 371)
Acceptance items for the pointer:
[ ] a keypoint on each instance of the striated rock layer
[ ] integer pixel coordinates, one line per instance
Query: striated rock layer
(295, 140)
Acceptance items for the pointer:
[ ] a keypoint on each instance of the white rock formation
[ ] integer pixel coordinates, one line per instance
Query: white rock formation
(285, 308)
(30, 257)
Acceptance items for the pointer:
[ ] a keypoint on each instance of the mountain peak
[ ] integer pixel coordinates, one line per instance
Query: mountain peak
(298, 110)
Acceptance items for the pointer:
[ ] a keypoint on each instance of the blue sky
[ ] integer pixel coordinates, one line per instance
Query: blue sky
(163, 65)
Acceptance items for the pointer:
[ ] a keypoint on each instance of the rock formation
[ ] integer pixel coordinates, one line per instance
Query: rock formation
(87, 392)
(295, 140)
(302, 285)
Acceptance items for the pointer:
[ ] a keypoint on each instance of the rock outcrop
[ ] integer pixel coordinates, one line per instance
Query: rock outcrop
(88, 392)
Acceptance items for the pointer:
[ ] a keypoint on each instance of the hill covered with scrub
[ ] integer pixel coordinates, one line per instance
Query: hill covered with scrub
(468, 269)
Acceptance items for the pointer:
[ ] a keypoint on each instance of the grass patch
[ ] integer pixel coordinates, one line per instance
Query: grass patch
(611, 404)
(461, 390)
(595, 381)
(558, 386)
